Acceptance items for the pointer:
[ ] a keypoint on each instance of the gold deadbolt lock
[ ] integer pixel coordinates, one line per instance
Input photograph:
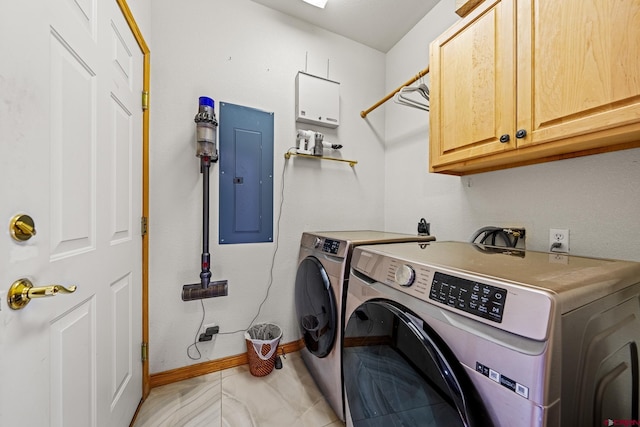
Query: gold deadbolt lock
(22, 291)
(22, 227)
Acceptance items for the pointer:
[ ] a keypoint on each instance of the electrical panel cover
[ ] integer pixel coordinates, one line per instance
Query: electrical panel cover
(246, 175)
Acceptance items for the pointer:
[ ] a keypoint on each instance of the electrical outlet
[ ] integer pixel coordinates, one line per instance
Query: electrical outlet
(207, 326)
(207, 332)
(205, 337)
(559, 240)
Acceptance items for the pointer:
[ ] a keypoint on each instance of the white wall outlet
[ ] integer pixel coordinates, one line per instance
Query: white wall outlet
(559, 240)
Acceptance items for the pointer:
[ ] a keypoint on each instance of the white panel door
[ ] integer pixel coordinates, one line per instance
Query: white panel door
(71, 157)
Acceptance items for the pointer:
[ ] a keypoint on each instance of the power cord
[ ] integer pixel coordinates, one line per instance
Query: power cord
(509, 236)
(195, 340)
(273, 259)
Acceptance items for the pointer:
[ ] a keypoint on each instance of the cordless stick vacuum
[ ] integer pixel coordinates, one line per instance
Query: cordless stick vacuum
(206, 126)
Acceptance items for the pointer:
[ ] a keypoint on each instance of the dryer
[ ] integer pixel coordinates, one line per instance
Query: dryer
(460, 334)
(321, 282)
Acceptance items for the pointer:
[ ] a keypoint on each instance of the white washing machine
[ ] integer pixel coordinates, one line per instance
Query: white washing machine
(460, 334)
(321, 282)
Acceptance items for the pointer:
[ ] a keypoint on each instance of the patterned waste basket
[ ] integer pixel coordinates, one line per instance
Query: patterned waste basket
(262, 345)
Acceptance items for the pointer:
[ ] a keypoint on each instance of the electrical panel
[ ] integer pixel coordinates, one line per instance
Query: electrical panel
(317, 100)
(246, 175)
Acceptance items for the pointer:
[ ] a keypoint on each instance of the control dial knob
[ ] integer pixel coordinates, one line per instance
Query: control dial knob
(405, 275)
(317, 242)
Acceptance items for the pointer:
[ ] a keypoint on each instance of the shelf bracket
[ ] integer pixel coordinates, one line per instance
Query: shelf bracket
(288, 155)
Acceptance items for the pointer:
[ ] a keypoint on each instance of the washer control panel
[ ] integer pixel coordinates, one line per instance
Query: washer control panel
(405, 275)
(329, 246)
(513, 307)
(479, 299)
(473, 297)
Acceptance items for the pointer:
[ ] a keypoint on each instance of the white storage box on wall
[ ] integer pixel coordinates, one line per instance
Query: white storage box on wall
(317, 100)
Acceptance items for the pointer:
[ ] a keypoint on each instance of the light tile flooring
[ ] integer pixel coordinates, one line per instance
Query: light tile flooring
(234, 398)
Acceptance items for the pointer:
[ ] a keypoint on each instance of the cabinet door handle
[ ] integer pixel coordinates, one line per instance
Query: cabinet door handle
(521, 134)
(505, 138)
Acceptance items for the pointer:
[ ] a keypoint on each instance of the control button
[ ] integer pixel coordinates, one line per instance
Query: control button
(405, 275)
(494, 375)
(482, 369)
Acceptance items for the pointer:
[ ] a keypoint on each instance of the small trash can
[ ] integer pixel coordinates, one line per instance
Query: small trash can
(262, 345)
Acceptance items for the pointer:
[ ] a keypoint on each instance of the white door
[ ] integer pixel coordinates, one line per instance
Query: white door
(71, 158)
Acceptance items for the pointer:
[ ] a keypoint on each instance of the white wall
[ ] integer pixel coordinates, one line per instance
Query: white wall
(596, 197)
(240, 52)
(141, 10)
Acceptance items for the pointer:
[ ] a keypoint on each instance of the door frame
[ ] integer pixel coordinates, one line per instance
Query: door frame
(144, 48)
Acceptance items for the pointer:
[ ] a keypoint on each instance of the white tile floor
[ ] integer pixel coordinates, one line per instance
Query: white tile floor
(234, 398)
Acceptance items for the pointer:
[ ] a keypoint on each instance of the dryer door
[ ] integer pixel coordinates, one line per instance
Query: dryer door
(316, 307)
(398, 372)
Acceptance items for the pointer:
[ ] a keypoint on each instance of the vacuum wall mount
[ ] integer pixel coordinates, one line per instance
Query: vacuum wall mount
(206, 126)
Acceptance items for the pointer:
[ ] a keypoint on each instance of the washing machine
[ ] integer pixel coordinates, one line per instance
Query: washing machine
(321, 281)
(461, 334)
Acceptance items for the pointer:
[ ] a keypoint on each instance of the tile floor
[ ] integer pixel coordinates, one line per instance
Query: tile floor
(234, 398)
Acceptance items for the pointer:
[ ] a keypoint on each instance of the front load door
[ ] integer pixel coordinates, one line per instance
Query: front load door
(316, 307)
(398, 372)
(70, 157)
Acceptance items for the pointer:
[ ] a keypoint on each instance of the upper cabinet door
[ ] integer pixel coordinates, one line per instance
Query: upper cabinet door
(578, 69)
(473, 80)
(552, 79)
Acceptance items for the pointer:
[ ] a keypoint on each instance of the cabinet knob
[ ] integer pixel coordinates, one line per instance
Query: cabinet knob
(521, 134)
(505, 138)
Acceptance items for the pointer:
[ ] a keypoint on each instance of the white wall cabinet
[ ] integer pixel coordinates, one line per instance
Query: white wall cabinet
(317, 100)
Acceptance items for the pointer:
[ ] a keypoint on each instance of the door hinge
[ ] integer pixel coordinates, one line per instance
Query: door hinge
(144, 352)
(145, 100)
(143, 226)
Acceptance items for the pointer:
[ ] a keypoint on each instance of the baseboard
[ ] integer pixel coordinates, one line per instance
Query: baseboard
(191, 371)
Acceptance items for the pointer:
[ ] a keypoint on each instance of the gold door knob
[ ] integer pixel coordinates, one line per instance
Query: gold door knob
(22, 227)
(22, 291)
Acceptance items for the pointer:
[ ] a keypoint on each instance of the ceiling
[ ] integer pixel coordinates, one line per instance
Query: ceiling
(379, 24)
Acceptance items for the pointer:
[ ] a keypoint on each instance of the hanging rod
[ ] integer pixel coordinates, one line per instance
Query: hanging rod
(422, 73)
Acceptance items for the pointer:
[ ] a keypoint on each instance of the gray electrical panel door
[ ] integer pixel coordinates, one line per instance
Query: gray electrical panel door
(246, 175)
